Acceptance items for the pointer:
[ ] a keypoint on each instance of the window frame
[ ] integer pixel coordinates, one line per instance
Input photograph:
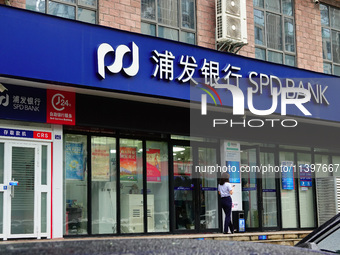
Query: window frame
(283, 17)
(178, 28)
(77, 4)
(331, 30)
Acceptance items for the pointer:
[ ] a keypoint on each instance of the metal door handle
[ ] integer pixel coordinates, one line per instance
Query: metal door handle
(13, 184)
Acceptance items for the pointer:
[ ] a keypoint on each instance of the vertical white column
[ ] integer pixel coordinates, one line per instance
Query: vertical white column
(57, 188)
(233, 154)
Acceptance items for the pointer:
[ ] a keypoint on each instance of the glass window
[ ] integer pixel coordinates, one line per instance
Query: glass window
(87, 15)
(103, 184)
(86, 9)
(287, 6)
(288, 191)
(157, 164)
(44, 165)
(168, 33)
(306, 196)
(170, 19)
(269, 217)
(2, 162)
(1, 211)
(208, 184)
(274, 24)
(43, 219)
(324, 15)
(321, 159)
(274, 31)
(259, 27)
(259, 3)
(260, 54)
(336, 70)
(330, 31)
(131, 186)
(75, 177)
(183, 188)
(290, 60)
(326, 44)
(273, 5)
(336, 46)
(188, 14)
(61, 10)
(167, 12)
(249, 189)
(148, 29)
(188, 37)
(148, 9)
(336, 165)
(335, 18)
(327, 68)
(275, 57)
(289, 35)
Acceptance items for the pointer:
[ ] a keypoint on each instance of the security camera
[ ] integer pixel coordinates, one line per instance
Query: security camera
(316, 1)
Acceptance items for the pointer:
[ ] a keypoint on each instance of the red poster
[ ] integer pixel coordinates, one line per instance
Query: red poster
(128, 164)
(153, 160)
(61, 107)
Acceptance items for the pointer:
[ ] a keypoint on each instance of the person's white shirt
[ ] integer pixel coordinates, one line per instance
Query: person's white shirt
(225, 190)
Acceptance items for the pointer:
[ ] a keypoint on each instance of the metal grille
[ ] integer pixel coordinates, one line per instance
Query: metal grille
(219, 7)
(136, 213)
(328, 198)
(219, 27)
(23, 166)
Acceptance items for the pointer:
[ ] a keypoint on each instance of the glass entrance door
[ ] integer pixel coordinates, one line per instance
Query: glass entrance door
(259, 189)
(25, 190)
(195, 188)
(208, 199)
(249, 160)
(269, 192)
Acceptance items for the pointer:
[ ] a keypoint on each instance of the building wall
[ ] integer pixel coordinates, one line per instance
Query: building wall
(308, 35)
(249, 49)
(15, 3)
(126, 15)
(121, 14)
(206, 23)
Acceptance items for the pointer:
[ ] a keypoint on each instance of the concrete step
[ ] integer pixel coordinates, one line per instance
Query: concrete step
(281, 238)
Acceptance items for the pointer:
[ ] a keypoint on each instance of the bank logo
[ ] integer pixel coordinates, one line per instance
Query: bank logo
(4, 100)
(117, 65)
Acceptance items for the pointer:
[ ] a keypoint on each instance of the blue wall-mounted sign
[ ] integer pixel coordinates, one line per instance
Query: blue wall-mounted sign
(73, 53)
(23, 103)
(287, 174)
(305, 175)
(234, 171)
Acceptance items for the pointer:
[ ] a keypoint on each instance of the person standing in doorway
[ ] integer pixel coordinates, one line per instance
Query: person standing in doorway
(226, 190)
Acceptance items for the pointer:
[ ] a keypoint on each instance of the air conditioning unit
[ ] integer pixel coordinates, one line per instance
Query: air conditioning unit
(231, 21)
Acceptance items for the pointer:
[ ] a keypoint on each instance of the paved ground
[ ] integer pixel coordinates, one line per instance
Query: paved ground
(147, 246)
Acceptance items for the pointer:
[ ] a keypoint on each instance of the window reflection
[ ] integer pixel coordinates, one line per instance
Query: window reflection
(103, 176)
(75, 150)
(183, 188)
(157, 186)
(131, 186)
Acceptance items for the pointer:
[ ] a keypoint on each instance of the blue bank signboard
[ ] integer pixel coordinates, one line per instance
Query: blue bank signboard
(47, 48)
